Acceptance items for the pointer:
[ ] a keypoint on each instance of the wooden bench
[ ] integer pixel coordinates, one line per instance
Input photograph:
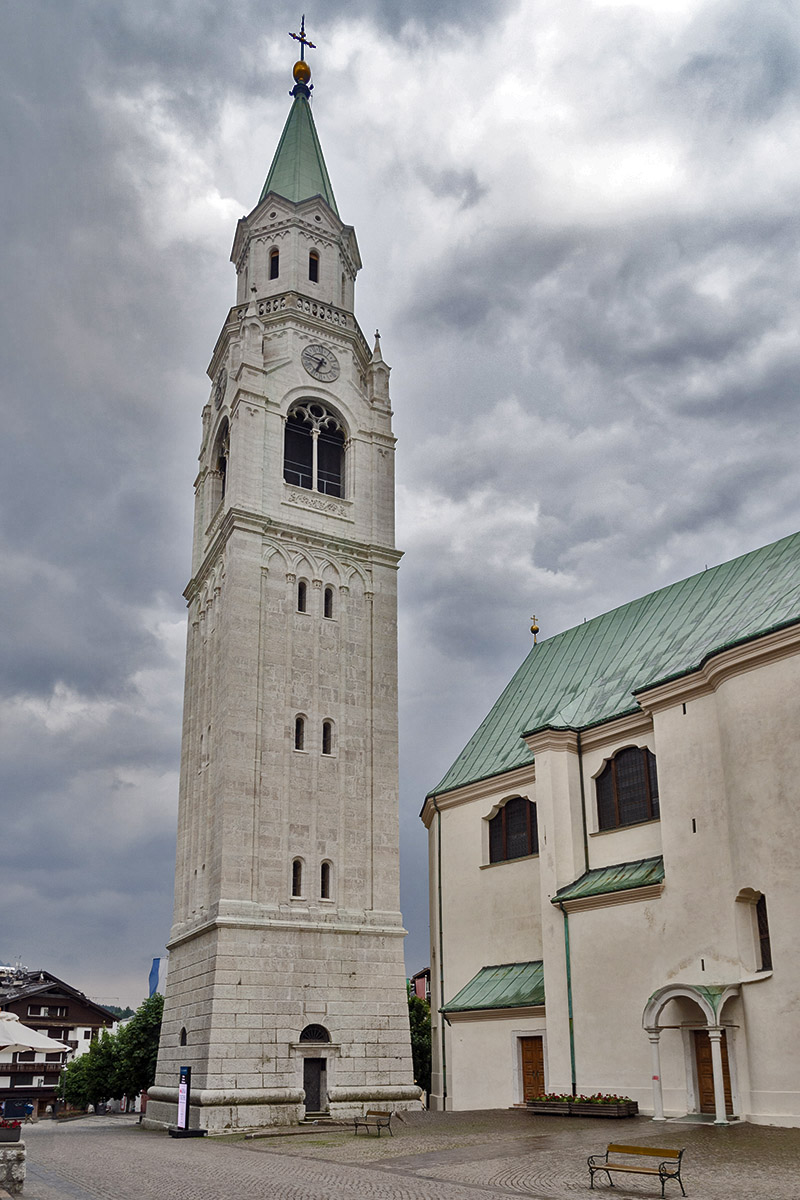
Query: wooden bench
(374, 1119)
(669, 1165)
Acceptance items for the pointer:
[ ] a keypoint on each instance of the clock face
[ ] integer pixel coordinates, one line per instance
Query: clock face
(321, 363)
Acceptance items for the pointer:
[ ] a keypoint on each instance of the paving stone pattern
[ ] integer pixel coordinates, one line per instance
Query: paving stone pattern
(433, 1156)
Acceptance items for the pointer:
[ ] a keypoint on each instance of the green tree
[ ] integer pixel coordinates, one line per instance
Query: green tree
(419, 1016)
(94, 1076)
(138, 1047)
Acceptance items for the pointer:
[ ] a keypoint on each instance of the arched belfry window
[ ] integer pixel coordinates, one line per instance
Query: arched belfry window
(313, 267)
(302, 596)
(219, 463)
(627, 789)
(274, 264)
(325, 881)
(297, 878)
(327, 603)
(313, 455)
(299, 733)
(327, 737)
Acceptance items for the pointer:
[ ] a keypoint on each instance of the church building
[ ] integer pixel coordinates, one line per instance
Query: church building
(613, 861)
(286, 992)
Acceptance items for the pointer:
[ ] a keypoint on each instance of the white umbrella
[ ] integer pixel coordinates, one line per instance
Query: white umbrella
(16, 1036)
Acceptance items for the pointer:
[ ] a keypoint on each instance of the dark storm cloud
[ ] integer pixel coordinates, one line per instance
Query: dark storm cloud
(579, 233)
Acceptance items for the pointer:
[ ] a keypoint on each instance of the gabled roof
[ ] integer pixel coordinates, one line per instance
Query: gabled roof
(619, 878)
(510, 985)
(298, 169)
(590, 674)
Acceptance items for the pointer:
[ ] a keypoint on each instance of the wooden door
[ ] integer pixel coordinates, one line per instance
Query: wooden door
(532, 1051)
(314, 1084)
(705, 1072)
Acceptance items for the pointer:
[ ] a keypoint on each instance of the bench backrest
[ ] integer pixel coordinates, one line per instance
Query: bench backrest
(653, 1151)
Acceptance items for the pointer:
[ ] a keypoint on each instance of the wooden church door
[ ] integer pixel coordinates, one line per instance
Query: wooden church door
(705, 1073)
(532, 1051)
(314, 1084)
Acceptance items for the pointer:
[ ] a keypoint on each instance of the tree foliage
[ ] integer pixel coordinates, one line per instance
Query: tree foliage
(116, 1065)
(419, 1016)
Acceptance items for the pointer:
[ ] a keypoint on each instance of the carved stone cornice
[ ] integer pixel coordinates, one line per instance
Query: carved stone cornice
(497, 1014)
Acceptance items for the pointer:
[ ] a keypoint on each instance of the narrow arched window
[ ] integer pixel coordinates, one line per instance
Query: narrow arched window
(325, 881)
(313, 449)
(313, 267)
(299, 733)
(219, 464)
(627, 789)
(183, 1036)
(297, 877)
(302, 596)
(514, 831)
(274, 264)
(327, 603)
(327, 737)
(764, 945)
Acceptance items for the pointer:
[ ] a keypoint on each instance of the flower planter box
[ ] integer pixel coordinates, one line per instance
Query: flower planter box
(628, 1108)
(584, 1108)
(11, 1135)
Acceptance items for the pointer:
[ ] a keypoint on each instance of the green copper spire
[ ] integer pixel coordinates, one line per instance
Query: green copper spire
(298, 169)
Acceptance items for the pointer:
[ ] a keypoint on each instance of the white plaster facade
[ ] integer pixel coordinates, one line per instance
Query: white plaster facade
(651, 967)
(261, 947)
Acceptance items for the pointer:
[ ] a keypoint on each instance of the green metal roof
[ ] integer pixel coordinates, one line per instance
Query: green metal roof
(619, 878)
(298, 169)
(590, 674)
(511, 985)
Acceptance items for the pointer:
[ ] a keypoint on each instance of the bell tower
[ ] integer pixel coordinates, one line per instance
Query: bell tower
(286, 987)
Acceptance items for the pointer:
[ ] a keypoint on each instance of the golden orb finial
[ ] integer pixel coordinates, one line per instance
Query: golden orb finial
(534, 628)
(301, 71)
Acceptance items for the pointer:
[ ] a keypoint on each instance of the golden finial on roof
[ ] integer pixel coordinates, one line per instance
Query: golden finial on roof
(534, 628)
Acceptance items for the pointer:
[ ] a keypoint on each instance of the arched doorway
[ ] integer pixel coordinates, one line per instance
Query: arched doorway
(315, 1069)
(694, 1012)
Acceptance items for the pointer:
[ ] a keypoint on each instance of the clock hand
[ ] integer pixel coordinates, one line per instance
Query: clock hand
(320, 363)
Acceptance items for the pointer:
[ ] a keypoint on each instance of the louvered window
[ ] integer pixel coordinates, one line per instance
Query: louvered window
(627, 789)
(513, 833)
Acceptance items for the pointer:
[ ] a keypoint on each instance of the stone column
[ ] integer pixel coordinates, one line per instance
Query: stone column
(655, 1055)
(715, 1037)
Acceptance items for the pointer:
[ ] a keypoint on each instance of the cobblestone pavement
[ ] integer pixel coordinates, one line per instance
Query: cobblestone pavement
(433, 1156)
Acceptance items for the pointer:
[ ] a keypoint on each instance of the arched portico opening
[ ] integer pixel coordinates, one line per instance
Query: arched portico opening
(694, 1011)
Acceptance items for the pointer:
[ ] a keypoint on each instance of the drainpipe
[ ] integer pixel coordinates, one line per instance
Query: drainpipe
(569, 999)
(583, 807)
(437, 810)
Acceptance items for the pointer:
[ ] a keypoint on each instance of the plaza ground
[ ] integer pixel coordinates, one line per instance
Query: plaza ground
(433, 1156)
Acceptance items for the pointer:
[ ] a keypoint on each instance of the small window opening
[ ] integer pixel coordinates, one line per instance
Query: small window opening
(315, 1033)
(297, 877)
(313, 267)
(302, 596)
(274, 264)
(327, 737)
(763, 934)
(325, 881)
(327, 602)
(299, 733)
(183, 1036)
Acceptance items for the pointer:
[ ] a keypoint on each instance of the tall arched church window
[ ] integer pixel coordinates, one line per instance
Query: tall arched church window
(325, 881)
(313, 455)
(297, 878)
(313, 267)
(327, 603)
(274, 264)
(299, 733)
(302, 596)
(327, 737)
(627, 789)
(514, 831)
(764, 945)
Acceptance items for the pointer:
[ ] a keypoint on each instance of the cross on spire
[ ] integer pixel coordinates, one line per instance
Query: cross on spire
(302, 39)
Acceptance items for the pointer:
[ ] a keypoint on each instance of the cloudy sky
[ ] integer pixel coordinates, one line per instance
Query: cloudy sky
(579, 225)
